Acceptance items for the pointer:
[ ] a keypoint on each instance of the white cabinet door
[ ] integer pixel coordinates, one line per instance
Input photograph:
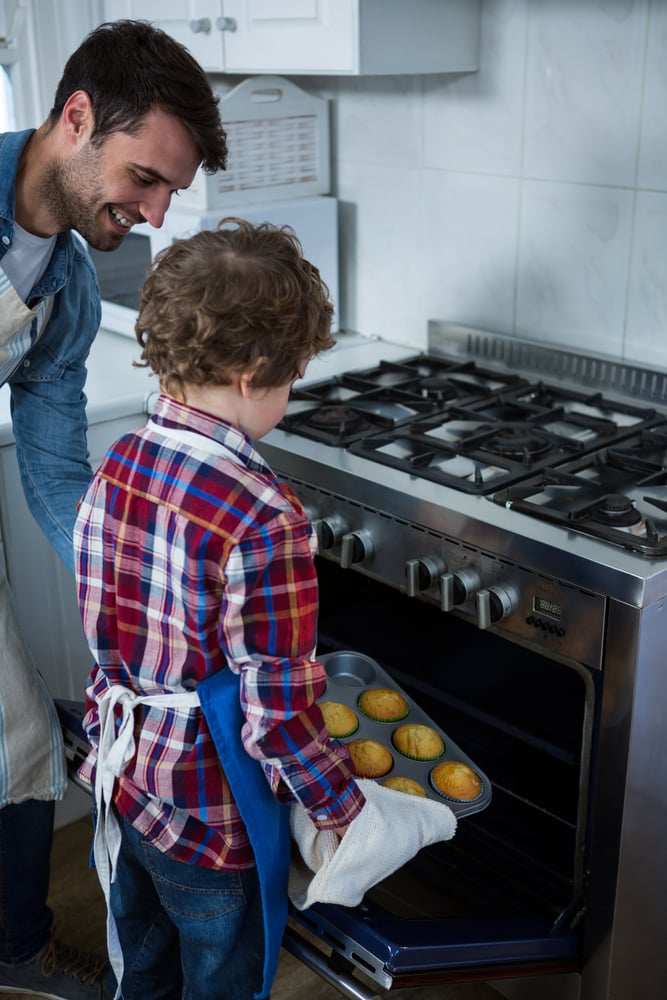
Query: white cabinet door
(193, 23)
(334, 37)
(293, 36)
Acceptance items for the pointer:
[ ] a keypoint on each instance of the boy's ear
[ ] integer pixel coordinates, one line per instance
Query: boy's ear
(245, 379)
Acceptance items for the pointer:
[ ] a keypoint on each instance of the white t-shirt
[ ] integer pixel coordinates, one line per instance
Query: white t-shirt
(26, 260)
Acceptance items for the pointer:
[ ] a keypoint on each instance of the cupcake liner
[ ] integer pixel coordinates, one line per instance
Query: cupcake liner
(375, 718)
(420, 760)
(344, 736)
(455, 798)
(387, 718)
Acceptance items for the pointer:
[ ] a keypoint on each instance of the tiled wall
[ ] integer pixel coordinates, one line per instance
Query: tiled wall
(528, 198)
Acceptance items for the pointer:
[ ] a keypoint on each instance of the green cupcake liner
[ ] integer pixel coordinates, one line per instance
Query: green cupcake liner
(374, 718)
(420, 760)
(344, 736)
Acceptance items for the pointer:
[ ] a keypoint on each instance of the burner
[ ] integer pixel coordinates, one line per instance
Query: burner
(437, 387)
(616, 511)
(517, 442)
(342, 419)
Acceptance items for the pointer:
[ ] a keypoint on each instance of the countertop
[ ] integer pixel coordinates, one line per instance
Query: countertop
(115, 388)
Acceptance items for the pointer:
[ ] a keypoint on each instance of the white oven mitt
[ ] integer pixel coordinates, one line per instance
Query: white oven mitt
(390, 829)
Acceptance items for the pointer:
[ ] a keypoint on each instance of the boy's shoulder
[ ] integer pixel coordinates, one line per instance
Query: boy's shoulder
(219, 493)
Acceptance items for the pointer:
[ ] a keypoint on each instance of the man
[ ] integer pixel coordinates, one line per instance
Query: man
(133, 118)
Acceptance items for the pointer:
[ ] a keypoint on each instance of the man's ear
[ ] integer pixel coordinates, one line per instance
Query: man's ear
(77, 118)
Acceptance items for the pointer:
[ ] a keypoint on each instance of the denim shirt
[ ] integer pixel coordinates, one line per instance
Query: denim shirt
(48, 403)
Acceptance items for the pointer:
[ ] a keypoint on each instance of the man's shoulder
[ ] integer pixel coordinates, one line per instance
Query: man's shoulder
(11, 147)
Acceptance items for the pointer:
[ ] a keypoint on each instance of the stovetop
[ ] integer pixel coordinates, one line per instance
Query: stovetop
(519, 438)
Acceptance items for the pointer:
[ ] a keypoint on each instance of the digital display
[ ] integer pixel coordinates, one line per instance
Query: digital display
(547, 607)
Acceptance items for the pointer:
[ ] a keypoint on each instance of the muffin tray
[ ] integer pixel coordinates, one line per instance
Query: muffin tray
(349, 674)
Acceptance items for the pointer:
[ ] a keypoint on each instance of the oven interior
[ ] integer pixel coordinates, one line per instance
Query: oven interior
(510, 887)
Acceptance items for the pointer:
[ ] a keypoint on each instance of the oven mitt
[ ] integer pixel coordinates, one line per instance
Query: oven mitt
(390, 829)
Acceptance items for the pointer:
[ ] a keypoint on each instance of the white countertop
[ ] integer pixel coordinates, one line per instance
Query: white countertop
(115, 388)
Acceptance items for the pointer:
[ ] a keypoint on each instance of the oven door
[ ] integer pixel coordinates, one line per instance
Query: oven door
(507, 896)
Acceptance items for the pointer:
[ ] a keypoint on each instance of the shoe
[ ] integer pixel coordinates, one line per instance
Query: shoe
(58, 973)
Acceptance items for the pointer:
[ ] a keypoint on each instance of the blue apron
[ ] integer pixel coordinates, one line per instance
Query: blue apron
(266, 820)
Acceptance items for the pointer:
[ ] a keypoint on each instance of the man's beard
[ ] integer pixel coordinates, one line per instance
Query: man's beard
(74, 196)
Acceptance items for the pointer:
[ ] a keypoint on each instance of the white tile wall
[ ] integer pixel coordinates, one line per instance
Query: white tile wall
(530, 197)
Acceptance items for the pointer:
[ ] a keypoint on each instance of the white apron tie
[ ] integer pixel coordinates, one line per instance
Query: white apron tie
(115, 751)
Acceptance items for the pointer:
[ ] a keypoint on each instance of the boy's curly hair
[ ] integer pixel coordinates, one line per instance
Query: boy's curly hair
(225, 300)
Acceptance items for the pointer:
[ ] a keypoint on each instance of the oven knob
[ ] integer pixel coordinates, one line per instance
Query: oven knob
(329, 531)
(495, 604)
(355, 546)
(457, 588)
(420, 574)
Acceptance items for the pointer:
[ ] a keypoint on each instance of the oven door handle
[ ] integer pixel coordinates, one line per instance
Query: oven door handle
(317, 961)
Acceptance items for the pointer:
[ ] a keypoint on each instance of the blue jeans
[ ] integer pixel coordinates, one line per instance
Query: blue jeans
(26, 832)
(185, 931)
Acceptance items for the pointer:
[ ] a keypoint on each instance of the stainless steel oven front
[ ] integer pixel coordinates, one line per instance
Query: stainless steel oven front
(538, 647)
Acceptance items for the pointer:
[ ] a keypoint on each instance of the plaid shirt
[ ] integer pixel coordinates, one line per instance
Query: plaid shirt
(189, 562)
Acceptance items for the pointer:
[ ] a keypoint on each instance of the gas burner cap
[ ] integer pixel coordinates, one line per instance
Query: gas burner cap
(517, 442)
(617, 511)
(437, 387)
(338, 417)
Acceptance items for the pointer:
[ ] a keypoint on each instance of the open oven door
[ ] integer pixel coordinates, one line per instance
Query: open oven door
(417, 928)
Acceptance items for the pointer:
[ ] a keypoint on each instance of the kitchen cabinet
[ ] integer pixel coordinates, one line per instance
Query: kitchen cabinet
(325, 37)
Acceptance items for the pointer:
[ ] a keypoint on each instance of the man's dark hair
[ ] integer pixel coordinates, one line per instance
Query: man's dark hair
(128, 68)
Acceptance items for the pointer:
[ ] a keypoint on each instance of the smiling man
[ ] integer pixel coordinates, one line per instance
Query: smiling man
(133, 118)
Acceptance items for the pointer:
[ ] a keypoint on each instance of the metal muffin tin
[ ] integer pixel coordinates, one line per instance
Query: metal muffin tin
(349, 674)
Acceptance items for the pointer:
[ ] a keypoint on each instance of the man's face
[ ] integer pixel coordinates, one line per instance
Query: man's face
(103, 190)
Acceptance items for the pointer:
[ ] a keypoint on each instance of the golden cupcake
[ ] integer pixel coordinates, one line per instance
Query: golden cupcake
(340, 720)
(370, 759)
(383, 704)
(456, 780)
(407, 785)
(418, 741)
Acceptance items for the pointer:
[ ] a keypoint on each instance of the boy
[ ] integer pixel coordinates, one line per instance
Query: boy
(195, 570)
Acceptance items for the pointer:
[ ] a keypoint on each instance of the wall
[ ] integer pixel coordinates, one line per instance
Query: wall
(528, 198)
(50, 31)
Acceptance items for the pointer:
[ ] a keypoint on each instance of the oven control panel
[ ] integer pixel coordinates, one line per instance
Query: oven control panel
(460, 578)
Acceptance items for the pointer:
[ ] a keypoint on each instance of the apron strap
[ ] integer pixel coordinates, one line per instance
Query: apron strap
(265, 819)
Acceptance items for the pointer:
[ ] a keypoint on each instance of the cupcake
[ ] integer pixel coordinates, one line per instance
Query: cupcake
(407, 785)
(383, 704)
(339, 719)
(456, 780)
(418, 741)
(370, 759)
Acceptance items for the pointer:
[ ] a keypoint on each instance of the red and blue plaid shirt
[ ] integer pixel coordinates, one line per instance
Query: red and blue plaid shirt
(188, 563)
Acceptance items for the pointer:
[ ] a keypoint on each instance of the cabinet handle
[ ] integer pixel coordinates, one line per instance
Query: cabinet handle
(202, 25)
(226, 24)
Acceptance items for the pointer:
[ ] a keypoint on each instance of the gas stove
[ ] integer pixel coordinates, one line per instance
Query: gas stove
(552, 460)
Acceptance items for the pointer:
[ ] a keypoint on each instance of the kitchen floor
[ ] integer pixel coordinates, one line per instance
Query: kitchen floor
(78, 905)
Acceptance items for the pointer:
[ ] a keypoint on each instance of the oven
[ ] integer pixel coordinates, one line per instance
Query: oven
(492, 526)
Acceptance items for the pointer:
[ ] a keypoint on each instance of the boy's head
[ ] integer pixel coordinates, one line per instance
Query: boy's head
(241, 298)
(129, 68)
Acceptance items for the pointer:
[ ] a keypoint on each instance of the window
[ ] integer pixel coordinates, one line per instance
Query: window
(7, 120)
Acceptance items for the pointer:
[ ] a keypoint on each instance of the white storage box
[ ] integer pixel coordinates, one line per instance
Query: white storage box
(121, 274)
(278, 138)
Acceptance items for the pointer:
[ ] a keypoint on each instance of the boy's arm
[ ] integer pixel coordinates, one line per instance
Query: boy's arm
(269, 630)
